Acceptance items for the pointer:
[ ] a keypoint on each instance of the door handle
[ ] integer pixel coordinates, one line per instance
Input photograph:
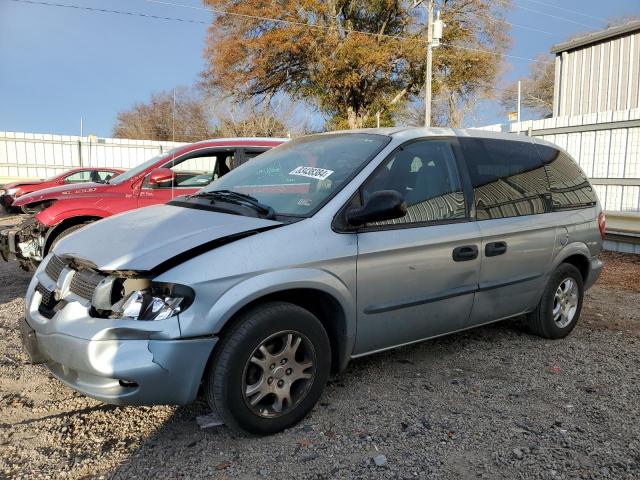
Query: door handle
(465, 253)
(494, 249)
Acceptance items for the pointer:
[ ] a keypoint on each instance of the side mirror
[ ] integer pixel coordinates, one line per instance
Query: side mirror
(381, 205)
(160, 176)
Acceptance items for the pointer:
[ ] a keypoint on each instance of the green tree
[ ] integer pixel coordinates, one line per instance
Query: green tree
(350, 76)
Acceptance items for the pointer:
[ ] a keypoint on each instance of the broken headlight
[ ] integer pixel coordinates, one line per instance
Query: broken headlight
(156, 302)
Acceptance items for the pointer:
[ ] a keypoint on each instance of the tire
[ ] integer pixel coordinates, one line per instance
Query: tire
(64, 233)
(546, 320)
(274, 326)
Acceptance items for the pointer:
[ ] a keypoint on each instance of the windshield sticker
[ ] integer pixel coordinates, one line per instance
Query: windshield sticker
(311, 172)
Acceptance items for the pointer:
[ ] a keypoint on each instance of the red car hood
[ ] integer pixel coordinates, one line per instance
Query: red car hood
(7, 186)
(57, 193)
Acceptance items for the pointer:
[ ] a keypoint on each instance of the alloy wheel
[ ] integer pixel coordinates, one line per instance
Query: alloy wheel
(278, 374)
(565, 302)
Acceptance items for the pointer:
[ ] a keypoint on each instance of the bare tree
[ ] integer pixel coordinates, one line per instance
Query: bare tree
(160, 119)
(536, 88)
(279, 116)
(622, 20)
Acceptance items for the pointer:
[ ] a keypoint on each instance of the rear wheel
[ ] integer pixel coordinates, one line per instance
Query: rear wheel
(270, 369)
(559, 308)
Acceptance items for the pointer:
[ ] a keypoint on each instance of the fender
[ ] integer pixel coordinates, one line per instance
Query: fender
(261, 285)
(53, 219)
(574, 248)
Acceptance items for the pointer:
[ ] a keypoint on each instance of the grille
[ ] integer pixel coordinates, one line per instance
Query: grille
(84, 282)
(47, 303)
(54, 267)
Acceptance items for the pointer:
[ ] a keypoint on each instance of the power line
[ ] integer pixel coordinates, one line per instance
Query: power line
(524, 27)
(256, 17)
(506, 55)
(550, 15)
(104, 10)
(568, 10)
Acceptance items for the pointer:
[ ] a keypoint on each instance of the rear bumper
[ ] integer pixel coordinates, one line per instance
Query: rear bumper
(123, 372)
(595, 268)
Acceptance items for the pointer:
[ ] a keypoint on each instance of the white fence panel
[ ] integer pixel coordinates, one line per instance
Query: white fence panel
(32, 155)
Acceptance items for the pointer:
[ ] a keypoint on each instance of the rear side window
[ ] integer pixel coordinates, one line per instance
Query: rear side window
(569, 186)
(508, 178)
(425, 173)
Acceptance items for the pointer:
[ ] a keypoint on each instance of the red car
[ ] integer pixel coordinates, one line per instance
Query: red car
(11, 191)
(61, 210)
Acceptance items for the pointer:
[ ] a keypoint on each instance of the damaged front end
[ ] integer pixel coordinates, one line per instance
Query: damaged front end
(24, 243)
(114, 336)
(126, 295)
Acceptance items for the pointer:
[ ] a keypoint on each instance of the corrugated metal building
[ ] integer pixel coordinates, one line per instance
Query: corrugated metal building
(598, 72)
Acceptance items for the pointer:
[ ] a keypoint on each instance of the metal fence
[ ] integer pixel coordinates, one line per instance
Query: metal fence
(32, 155)
(606, 145)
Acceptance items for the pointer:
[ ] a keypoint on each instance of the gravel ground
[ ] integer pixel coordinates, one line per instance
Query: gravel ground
(495, 402)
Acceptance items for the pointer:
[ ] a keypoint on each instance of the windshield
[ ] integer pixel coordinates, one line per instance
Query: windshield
(129, 174)
(297, 177)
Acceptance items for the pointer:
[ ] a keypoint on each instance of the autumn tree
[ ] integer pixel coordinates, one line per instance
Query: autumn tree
(536, 88)
(352, 58)
(160, 119)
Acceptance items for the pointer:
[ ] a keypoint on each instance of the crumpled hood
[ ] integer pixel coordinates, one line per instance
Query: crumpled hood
(57, 193)
(143, 239)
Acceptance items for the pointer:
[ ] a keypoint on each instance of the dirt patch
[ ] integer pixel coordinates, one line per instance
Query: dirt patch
(621, 270)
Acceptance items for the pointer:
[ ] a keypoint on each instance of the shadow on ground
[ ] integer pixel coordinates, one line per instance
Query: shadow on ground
(361, 409)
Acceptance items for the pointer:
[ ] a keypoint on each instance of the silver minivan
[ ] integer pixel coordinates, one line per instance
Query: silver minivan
(324, 249)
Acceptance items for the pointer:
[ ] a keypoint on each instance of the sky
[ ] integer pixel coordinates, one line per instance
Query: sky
(58, 65)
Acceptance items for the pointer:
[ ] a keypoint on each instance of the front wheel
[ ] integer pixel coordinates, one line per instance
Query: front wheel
(64, 233)
(270, 370)
(559, 308)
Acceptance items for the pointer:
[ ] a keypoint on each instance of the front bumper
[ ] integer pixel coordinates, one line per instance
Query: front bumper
(121, 362)
(123, 372)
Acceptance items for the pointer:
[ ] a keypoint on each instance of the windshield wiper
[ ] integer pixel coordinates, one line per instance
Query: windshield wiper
(237, 199)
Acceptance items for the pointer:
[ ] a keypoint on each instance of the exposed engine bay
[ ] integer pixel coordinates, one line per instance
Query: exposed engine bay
(24, 243)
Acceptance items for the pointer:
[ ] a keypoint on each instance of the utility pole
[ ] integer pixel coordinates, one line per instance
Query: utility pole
(173, 117)
(429, 72)
(519, 98)
(434, 35)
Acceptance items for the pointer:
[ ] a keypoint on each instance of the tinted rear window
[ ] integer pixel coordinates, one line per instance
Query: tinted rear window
(568, 184)
(508, 178)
